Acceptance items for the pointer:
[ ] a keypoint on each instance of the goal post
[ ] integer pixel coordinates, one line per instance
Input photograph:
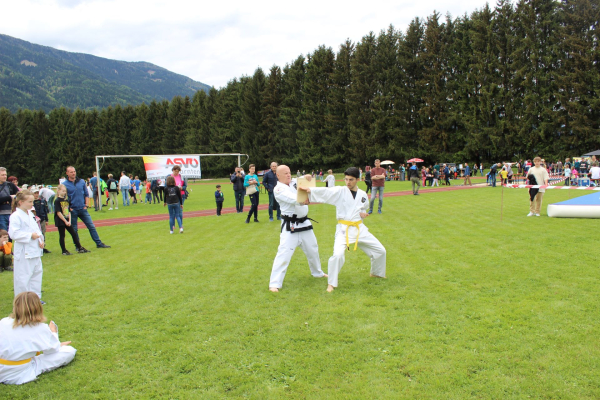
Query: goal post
(174, 157)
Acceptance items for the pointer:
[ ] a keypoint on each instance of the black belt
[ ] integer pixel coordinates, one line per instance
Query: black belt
(287, 221)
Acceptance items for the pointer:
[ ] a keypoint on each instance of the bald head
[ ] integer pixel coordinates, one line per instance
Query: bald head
(283, 174)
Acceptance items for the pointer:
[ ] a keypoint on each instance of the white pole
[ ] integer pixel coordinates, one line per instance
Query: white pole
(99, 199)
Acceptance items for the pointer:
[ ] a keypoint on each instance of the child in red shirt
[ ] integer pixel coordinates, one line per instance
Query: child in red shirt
(148, 192)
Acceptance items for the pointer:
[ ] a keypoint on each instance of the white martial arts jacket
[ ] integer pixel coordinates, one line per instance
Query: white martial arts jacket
(22, 225)
(21, 343)
(347, 208)
(286, 197)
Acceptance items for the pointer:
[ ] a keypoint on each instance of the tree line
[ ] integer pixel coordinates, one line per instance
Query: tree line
(504, 83)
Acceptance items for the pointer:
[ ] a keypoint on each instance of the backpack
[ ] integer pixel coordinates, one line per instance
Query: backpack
(113, 185)
(172, 193)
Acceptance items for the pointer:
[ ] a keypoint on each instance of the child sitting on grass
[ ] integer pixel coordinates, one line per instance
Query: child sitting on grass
(219, 199)
(6, 257)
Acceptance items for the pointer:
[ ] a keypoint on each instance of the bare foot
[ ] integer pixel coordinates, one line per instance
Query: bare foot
(330, 288)
(274, 289)
(376, 276)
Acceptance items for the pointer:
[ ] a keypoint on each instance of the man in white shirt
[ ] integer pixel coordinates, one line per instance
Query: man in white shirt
(124, 186)
(541, 176)
(567, 176)
(48, 195)
(595, 172)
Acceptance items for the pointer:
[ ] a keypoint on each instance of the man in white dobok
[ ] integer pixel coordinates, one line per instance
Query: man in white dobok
(351, 204)
(296, 230)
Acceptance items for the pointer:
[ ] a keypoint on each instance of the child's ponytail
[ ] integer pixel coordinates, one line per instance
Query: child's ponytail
(19, 198)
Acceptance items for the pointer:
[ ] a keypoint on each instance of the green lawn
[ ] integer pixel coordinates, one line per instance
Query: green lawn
(472, 308)
(202, 197)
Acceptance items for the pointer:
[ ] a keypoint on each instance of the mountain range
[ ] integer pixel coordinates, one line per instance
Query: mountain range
(40, 77)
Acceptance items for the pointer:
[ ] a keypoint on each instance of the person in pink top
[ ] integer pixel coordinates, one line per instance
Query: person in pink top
(179, 181)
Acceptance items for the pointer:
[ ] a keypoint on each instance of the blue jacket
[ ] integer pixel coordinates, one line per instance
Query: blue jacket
(41, 208)
(94, 181)
(270, 180)
(219, 196)
(77, 192)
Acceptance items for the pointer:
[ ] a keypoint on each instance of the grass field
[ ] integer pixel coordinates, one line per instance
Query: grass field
(472, 308)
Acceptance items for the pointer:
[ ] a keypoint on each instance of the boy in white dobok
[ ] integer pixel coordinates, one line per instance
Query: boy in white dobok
(351, 208)
(296, 230)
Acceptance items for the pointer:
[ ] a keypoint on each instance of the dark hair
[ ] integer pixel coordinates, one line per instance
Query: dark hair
(218, 186)
(170, 181)
(177, 167)
(352, 171)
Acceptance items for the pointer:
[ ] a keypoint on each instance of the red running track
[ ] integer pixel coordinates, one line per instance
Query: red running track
(229, 210)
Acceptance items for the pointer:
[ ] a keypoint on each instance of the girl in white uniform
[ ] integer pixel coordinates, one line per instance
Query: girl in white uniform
(28, 245)
(351, 208)
(23, 336)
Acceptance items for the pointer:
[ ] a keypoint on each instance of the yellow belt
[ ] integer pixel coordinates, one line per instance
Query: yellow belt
(356, 224)
(7, 362)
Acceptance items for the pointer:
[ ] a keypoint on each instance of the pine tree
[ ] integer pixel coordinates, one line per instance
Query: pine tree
(411, 90)
(252, 127)
(578, 80)
(60, 128)
(226, 127)
(270, 146)
(334, 145)
(8, 131)
(535, 80)
(292, 83)
(435, 134)
(23, 139)
(40, 161)
(315, 108)
(361, 95)
(389, 105)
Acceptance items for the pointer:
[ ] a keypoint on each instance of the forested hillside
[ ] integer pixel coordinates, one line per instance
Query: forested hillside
(40, 77)
(504, 83)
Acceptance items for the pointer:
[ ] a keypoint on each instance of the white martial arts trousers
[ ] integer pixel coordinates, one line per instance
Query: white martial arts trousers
(28, 275)
(287, 245)
(367, 243)
(19, 374)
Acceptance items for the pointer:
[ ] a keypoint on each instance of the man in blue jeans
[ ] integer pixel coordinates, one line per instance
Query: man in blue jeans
(493, 172)
(94, 182)
(78, 204)
(237, 178)
(270, 181)
(124, 186)
(378, 175)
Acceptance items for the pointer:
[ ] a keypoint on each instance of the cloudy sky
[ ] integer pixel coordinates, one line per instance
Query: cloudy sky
(210, 41)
